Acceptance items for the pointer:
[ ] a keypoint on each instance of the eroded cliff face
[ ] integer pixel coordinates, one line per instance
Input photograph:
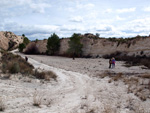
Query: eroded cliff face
(97, 47)
(9, 40)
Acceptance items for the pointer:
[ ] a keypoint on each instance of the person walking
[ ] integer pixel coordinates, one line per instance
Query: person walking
(110, 62)
(26, 58)
(113, 62)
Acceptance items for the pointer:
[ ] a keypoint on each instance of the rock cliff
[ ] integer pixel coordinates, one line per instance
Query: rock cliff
(9, 40)
(97, 47)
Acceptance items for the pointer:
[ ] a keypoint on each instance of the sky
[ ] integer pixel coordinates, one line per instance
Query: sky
(38, 19)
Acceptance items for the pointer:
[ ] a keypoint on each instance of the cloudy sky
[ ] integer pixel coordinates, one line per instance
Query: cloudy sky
(110, 18)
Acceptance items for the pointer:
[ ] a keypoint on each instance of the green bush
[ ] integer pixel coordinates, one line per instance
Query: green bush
(21, 47)
(53, 44)
(26, 41)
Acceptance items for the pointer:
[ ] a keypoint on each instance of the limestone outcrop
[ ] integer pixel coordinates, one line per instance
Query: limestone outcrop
(97, 47)
(9, 41)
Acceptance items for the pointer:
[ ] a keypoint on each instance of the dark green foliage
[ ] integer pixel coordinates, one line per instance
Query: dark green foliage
(75, 46)
(21, 47)
(23, 35)
(53, 44)
(36, 40)
(26, 41)
(97, 35)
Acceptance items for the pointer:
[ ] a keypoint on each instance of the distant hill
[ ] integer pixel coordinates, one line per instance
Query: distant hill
(9, 40)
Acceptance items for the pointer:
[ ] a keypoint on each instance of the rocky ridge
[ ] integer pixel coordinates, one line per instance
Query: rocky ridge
(97, 47)
(9, 41)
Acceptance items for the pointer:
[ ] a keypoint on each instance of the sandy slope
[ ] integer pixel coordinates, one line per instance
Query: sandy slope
(74, 92)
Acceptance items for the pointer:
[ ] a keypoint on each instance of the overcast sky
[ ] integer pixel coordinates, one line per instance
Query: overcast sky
(110, 18)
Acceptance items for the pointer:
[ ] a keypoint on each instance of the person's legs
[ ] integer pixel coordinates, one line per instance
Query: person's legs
(110, 65)
(113, 65)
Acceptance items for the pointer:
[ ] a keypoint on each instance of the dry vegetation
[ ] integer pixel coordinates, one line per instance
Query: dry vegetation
(40, 98)
(32, 49)
(138, 85)
(12, 64)
(47, 75)
(15, 64)
(130, 60)
(37, 99)
(2, 105)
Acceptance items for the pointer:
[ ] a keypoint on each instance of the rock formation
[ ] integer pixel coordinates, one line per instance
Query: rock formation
(9, 40)
(97, 47)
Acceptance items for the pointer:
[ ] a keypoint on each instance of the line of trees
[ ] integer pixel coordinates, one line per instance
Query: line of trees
(53, 45)
(75, 46)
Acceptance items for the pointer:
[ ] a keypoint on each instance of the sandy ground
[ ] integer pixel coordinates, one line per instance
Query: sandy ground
(75, 91)
(87, 66)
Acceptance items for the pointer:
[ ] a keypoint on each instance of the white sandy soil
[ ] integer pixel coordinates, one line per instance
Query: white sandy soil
(75, 91)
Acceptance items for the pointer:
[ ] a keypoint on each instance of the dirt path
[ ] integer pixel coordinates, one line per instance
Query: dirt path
(74, 92)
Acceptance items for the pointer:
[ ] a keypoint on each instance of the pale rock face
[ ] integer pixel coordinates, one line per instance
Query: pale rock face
(64, 46)
(41, 45)
(100, 46)
(9, 40)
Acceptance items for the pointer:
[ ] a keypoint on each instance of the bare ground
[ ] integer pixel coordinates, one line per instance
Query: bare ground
(76, 89)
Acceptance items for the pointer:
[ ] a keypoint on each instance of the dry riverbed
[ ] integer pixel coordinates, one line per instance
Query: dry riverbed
(80, 88)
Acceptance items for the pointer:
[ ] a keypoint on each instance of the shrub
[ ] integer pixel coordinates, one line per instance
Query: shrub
(37, 99)
(31, 49)
(21, 47)
(47, 75)
(14, 64)
(14, 68)
(26, 41)
(4, 68)
(2, 105)
(53, 44)
(130, 60)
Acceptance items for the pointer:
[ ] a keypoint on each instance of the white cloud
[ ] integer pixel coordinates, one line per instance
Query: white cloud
(119, 18)
(85, 6)
(108, 11)
(76, 19)
(147, 9)
(125, 10)
(137, 27)
(29, 29)
(70, 9)
(73, 28)
(23, 6)
(39, 8)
